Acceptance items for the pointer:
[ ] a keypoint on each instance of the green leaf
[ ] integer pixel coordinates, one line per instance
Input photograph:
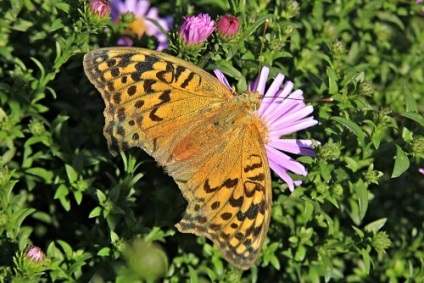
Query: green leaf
(40, 66)
(353, 72)
(359, 232)
(78, 197)
(307, 212)
(228, 69)
(353, 127)
(376, 137)
(47, 176)
(57, 24)
(101, 196)
(19, 216)
(95, 212)
(362, 194)
(22, 25)
(333, 88)
(252, 28)
(54, 252)
(414, 117)
(66, 248)
(104, 252)
(193, 275)
(367, 260)
(351, 163)
(411, 104)
(72, 173)
(62, 191)
(376, 225)
(300, 253)
(401, 162)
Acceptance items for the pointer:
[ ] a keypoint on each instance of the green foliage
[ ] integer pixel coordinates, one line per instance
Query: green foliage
(357, 217)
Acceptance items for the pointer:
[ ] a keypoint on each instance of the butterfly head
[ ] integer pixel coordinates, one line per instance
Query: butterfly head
(250, 99)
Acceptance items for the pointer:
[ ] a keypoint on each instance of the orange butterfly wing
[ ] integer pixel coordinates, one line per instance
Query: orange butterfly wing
(207, 141)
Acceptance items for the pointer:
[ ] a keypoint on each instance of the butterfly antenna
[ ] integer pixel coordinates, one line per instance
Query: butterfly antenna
(323, 100)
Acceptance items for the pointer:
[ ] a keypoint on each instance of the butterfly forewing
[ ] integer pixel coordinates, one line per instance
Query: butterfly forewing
(190, 123)
(145, 90)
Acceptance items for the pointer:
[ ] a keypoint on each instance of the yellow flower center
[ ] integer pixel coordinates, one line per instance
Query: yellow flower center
(137, 27)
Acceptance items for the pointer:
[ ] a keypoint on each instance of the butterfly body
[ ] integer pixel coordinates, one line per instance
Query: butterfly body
(208, 139)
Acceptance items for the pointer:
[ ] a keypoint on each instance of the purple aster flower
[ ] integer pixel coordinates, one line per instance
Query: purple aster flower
(284, 112)
(100, 7)
(196, 29)
(146, 19)
(418, 1)
(35, 254)
(421, 170)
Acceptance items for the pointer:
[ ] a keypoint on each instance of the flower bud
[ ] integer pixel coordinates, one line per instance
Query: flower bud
(100, 8)
(196, 29)
(227, 26)
(35, 254)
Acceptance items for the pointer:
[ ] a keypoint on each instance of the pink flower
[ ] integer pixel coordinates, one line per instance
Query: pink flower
(421, 170)
(227, 26)
(196, 29)
(100, 7)
(146, 21)
(35, 254)
(284, 112)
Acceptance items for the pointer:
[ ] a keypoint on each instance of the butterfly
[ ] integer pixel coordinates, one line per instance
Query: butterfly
(206, 137)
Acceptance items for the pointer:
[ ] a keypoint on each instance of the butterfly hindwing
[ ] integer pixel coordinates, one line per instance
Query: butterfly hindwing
(230, 198)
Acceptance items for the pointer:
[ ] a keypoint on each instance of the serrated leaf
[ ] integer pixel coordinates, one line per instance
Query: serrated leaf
(401, 162)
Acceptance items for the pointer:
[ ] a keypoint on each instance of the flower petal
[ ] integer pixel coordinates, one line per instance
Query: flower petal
(260, 83)
(283, 112)
(221, 77)
(271, 95)
(306, 123)
(295, 146)
(285, 161)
